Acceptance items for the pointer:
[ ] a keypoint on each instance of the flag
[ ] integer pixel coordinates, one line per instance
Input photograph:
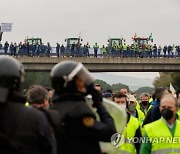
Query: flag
(135, 35)
(172, 90)
(6, 27)
(150, 37)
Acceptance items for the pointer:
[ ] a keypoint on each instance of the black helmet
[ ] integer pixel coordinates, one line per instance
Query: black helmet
(11, 74)
(64, 73)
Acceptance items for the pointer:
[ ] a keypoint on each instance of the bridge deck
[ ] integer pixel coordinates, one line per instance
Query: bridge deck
(105, 64)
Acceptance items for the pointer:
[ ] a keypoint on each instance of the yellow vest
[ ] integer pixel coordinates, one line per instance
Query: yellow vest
(146, 111)
(178, 113)
(150, 100)
(104, 49)
(124, 47)
(161, 138)
(141, 117)
(137, 105)
(129, 133)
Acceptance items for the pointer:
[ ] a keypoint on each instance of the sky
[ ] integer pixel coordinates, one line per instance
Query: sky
(147, 75)
(94, 20)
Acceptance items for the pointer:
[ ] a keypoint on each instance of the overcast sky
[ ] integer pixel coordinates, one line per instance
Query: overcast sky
(148, 75)
(96, 20)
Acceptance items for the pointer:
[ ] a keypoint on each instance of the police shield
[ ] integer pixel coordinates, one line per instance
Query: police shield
(119, 116)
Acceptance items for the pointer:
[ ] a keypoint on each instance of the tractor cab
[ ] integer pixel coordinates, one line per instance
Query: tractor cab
(115, 41)
(142, 41)
(73, 40)
(33, 41)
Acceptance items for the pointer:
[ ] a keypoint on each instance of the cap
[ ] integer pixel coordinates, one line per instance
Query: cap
(106, 95)
(131, 98)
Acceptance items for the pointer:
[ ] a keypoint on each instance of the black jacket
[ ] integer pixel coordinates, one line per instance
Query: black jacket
(24, 130)
(73, 136)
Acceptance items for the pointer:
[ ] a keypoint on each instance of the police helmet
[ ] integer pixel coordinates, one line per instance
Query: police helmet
(64, 73)
(11, 73)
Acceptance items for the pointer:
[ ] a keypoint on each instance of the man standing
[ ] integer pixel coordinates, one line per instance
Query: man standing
(154, 51)
(163, 135)
(62, 50)
(145, 106)
(57, 49)
(38, 97)
(133, 110)
(79, 131)
(48, 49)
(132, 129)
(165, 50)
(6, 46)
(124, 91)
(73, 49)
(96, 47)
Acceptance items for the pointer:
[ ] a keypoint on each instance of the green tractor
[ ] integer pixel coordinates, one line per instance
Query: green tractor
(33, 41)
(114, 41)
(72, 40)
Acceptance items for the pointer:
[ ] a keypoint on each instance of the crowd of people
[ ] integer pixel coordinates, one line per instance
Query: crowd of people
(79, 50)
(58, 119)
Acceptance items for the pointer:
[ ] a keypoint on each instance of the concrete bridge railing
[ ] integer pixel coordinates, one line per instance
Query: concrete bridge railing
(105, 64)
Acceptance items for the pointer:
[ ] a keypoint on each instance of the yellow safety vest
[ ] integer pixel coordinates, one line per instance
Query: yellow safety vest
(137, 105)
(132, 47)
(96, 46)
(161, 138)
(150, 100)
(104, 50)
(129, 132)
(141, 117)
(178, 113)
(146, 111)
(124, 47)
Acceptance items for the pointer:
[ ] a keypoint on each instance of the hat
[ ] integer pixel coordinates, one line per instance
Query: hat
(106, 95)
(131, 98)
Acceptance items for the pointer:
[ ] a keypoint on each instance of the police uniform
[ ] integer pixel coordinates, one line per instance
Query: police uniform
(22, 130)
(79, 131)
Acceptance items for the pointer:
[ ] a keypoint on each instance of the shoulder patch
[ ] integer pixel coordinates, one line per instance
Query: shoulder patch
(88, 121)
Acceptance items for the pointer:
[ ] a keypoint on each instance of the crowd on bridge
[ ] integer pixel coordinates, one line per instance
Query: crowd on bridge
(61, 120)
(79, 50)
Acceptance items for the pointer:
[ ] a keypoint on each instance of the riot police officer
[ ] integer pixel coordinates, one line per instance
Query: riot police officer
(79, 131)
(23, 130)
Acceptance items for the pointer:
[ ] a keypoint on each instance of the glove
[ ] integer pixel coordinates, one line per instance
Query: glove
(96, 96)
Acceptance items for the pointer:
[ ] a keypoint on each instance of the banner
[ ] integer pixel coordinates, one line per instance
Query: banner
(6, 27)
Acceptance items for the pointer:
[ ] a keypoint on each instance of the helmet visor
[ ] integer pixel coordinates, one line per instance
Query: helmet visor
(85, 75)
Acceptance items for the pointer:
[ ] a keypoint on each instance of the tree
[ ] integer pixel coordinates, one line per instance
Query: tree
(40, 78)
(118, 86)
(176, 80)
(105, 86)
(163, 80)
(141, 90)
(166, 78)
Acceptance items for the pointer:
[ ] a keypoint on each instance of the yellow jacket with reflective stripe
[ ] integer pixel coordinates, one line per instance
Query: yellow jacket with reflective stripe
(159, 132)
(129, 133)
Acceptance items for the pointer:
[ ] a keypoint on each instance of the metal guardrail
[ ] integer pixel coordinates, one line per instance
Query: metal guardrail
(80, 53)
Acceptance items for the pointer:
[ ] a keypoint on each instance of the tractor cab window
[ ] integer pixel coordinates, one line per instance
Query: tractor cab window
(71, 41)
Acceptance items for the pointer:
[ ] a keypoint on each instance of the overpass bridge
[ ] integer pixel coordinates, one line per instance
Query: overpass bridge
(105, 64)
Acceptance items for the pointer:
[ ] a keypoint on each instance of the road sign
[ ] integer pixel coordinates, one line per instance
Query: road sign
(6, 27)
